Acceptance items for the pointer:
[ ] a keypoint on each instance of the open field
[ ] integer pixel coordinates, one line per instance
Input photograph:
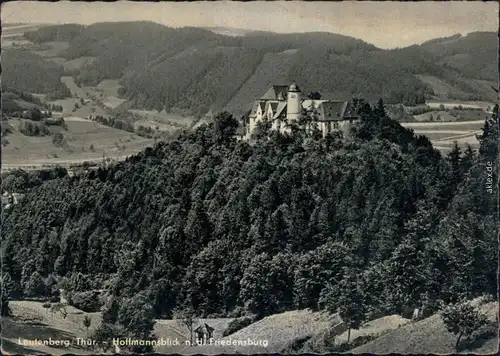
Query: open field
(54, 51)
(450, 104)
(461, 125)
(81, 134)
(31, 321)
(77, 63)
(392, 334)
(437, 116)
(430, 336)
(443, 89)
(162, 117)
(73, 88)
(58, 60)
(279, 330)
(444, 134)
(15, 32)
(374, 327)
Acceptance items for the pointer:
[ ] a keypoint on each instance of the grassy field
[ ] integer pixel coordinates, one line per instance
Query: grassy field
(81, 134)
(14, 34)
(430, 336)
(390, 334)
(55, 50)
(450, 104)
(30, 321)
(279, 330)
(375, 327)
(444, 134)
(77, 63)
(162, 117)
(443, 89)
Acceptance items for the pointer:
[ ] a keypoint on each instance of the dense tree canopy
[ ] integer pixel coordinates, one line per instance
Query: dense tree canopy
(224, 226)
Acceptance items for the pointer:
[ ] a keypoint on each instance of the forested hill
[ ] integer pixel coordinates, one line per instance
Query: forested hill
(218, 226)
(28, 72)
(192, 70)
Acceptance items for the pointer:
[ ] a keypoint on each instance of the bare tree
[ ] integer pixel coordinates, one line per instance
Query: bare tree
(188, 318)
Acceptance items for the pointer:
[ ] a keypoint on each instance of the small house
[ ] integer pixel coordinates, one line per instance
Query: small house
(204, 333)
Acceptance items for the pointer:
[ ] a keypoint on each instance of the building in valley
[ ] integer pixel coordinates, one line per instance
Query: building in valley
(282, 105)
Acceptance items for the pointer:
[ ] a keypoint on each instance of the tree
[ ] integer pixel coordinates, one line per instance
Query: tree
(349, 303)
(86, 301)
(463, 320)
(58, 139)
(267, 284)
(135, 315)
(188, 319)
(314, 95)
(87, 322)
(488, 140)
(225, 127)
(379, 110)
(315, 268)
(35, 287)
(34, 114)
(6, 286)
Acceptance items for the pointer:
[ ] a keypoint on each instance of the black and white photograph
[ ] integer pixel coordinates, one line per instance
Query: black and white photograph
(254, 177)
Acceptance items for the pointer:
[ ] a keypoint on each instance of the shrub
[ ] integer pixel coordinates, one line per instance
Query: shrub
(237, 324)
(29, 128)
(87, 301)
(58, 139)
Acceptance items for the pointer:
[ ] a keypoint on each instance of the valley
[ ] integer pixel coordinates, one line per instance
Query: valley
(103, 97)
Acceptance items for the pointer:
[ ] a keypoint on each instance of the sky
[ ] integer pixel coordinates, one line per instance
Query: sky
(384, 24)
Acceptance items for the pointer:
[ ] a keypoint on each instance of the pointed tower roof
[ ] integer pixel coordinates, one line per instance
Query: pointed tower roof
(294, 88)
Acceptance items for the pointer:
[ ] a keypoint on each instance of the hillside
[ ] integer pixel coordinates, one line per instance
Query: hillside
(192, 70)
(29, 72)
(273, 334)
(213, 226)
(473, 55)
(85, 140)
(270, 71)
(430, 336)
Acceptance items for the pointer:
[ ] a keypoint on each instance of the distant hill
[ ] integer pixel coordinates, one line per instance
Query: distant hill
(228, 31)
(473, 55)
(194, 70)
(28, 72)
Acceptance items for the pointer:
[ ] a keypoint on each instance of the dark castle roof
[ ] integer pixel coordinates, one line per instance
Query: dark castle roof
(337, 110)
(276, 92)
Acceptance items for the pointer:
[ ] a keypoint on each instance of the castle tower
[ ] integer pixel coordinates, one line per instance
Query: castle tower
(294, 102)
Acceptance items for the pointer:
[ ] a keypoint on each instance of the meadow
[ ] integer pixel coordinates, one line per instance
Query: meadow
(86, 141)
(444, 134)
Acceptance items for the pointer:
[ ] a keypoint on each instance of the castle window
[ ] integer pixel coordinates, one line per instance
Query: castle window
(335, 125)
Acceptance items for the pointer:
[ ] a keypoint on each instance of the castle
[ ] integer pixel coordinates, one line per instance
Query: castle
(282, 105)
